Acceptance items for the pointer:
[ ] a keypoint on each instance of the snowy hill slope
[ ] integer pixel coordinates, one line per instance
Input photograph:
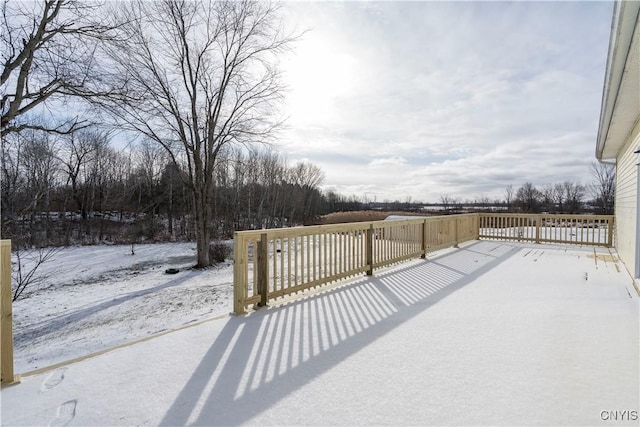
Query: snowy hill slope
(96, 297)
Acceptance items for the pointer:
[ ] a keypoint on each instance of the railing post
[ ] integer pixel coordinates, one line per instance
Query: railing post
(369, 251)
(423, 247)
(610, 232)
(455, 232)
(240, 264)
(263, 270)
(538, 219)
(6, 316)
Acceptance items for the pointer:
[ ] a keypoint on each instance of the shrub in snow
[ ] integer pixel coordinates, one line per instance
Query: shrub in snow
(218, 251)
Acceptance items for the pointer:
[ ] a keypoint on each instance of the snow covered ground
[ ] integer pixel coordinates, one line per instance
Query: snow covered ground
(493, 333)
(97, 297)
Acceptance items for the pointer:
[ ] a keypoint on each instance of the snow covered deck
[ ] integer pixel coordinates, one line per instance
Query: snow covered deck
(491, 333)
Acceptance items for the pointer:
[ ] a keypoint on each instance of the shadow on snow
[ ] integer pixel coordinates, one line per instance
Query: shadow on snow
(259, 359)
(79, 315)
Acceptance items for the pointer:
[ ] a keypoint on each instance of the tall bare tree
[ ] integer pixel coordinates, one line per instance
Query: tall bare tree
(559, 197)
(528, 197)
(80, 150)
(48, 54)
(13, 182)
(201, 75)
(574, 195)
(40, 169)
(508, 196)
(547, 199)
(604, 187)
(308, 176)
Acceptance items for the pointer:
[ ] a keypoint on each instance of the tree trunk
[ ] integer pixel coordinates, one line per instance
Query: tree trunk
(202, 230)
(170, 212)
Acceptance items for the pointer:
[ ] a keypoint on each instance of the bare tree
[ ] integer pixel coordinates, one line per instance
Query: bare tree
(547, 194)
(40, 170)
(528, 197)
(559, 197)
(483, 202)
(151, 158)
(29, 180)
(574, 195)
(12, 182)
(48, 54)
(604, 188)
(508, 196)
(308, 176)
(77, 154)
(273, 170)
(201, 76)
(446, 201)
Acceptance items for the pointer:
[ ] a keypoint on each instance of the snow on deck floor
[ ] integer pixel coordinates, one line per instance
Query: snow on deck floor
(492, 333)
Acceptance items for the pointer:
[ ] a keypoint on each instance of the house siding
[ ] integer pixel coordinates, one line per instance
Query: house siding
(626, 201)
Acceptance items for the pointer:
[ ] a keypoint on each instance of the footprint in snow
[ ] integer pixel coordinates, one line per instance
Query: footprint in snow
(53, 380)
(66, 412)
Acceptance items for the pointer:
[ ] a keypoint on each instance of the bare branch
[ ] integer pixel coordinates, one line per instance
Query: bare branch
(25, 273)
(49, 54)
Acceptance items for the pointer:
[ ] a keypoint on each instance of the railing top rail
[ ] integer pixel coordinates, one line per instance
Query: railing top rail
(327, 228)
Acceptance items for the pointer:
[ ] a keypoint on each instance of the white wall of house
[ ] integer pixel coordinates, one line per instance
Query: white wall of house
(619, 128)
(626, 203)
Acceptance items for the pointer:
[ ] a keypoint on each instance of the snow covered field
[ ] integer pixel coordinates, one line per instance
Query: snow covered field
(493, 333)
(96, 297)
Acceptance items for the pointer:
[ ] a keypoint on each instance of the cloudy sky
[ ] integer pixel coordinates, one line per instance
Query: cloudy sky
(398, 100)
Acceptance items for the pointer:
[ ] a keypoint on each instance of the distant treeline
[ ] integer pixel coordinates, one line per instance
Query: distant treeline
(81, 189)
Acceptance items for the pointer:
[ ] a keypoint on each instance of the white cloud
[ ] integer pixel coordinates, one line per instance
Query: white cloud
(395, 161)
(418, 99)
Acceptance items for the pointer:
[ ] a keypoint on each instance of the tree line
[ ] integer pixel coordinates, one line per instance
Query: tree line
(80, 188)
(565, 197)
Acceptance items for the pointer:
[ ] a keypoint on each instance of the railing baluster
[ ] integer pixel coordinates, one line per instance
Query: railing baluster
(313, 258)
(352, 250)
(281, 263)
(254, 289)
(599, 227)
(322, 253)
(288, 262)
(275, 265)
(332, 254)
(296, 262)
(309, 257)
(263, 269)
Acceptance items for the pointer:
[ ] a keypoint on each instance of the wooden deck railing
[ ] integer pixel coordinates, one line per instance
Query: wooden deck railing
(277, 262)
(546, 228)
